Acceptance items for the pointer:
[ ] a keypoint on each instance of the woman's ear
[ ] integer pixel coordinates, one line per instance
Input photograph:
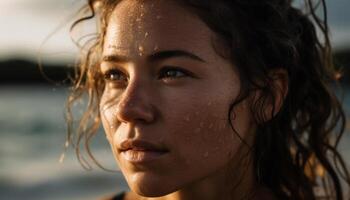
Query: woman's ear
(268, 101)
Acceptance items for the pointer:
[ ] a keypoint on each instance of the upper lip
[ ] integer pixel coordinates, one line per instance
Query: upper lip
(140, 145)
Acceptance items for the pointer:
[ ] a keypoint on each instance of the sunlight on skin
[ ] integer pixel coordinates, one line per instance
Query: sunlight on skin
(185, 115)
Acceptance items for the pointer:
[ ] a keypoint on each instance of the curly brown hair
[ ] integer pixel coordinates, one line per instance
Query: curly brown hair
(296, 150)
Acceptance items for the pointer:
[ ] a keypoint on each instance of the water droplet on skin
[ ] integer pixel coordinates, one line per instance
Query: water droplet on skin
(141, 48)
(146, 34)
(138, 19)
(187, 118)
(159, 17)
(155, 48)
(206, 154)
(209, 103)
(104, 108)
(66, 144)
(197, 130)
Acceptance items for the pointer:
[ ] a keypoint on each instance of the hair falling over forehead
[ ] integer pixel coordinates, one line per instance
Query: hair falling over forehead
(295, 152)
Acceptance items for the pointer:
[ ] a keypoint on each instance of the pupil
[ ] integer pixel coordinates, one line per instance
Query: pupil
(114, 76)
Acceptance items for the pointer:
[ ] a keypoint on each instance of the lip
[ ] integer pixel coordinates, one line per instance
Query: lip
(141, 151)
(137, 156)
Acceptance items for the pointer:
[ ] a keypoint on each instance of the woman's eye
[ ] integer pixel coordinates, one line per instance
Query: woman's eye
(115, 75)
(173, 73)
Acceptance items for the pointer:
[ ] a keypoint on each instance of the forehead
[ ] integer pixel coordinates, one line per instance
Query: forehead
(147, 25)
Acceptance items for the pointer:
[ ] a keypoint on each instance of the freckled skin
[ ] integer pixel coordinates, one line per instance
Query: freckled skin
(188, 116)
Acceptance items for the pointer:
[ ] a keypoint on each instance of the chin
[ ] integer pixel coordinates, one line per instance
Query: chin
(150, 186)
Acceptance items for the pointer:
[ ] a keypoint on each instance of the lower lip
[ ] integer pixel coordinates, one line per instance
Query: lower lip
(141, 156)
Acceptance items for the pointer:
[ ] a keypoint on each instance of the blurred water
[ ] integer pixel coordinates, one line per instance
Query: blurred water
(32, 134)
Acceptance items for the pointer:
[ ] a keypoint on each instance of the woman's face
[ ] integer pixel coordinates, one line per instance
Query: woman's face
(167, 96)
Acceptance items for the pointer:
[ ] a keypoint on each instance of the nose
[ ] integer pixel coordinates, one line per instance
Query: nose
(135, 105)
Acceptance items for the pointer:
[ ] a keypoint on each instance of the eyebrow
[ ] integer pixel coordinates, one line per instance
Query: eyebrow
(115, 58)
(158, 56)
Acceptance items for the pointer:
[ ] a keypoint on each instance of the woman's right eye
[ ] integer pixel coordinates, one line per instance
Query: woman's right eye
(114, 75)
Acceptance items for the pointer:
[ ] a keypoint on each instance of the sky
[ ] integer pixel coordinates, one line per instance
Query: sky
(30, 28)
(37, 27)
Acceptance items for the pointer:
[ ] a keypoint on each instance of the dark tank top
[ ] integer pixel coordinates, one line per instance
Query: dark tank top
(119, 196)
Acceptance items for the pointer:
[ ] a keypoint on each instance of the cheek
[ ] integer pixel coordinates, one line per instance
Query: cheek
(208, 133)
(202, 135)
(108, 111)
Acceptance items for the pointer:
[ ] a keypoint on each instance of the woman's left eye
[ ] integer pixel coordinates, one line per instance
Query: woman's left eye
(173, 73)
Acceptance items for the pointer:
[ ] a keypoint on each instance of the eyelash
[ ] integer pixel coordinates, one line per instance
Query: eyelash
(108, 75)
(163, 74)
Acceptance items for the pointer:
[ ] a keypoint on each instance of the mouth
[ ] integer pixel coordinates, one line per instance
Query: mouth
(140, 151)
(137, 156)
